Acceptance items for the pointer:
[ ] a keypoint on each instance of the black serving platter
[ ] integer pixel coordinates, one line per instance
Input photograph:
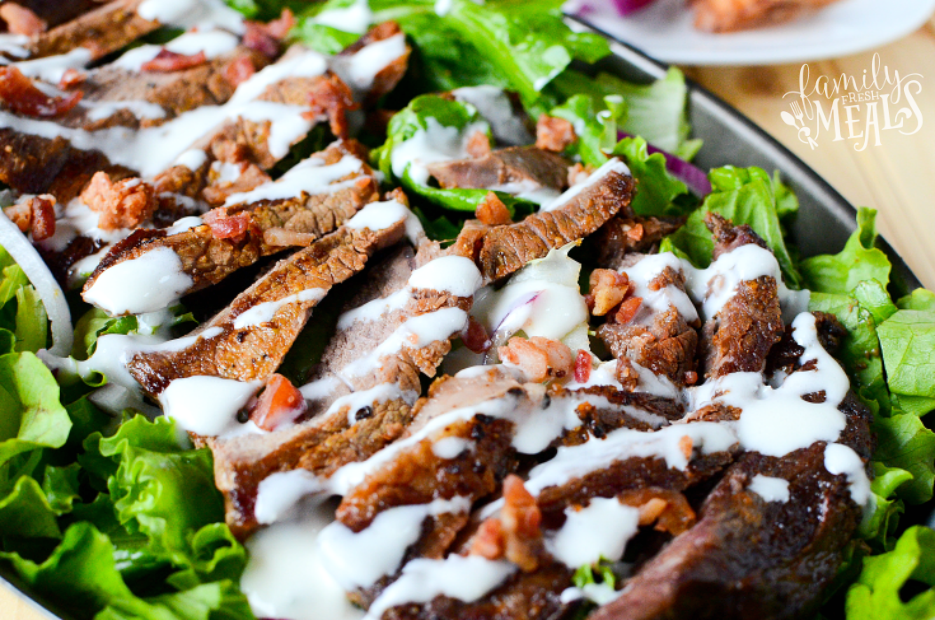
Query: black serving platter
(823, 224)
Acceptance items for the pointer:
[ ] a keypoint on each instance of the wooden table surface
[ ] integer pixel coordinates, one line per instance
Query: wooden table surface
(897, 178)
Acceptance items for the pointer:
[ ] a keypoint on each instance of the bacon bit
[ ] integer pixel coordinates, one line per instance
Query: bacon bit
(488, 541)
(478, 144)
(20, 214)
(554, 134)
(224, 226)
(475, 337)
(539, 358)
(42, 211)
(522, 522)
(72, 78)
(20, 20)
(22, 96)
(167, 61)
(690, 377)
(668, 509)
(280, 402)
(626, 375)
(582, 366)
(259, 40)
(635, 233)
(685, 445)
(124, 204)
(608, 288)
(331, 97)
(279, 28)
(239, 71)
(492, 211)
(579, 173)
(281, 237)
(628, 310)
(250, 177)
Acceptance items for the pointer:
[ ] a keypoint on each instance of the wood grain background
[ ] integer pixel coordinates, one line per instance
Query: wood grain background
(897, 177)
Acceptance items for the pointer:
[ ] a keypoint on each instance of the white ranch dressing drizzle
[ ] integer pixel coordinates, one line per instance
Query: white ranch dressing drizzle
(769, 488)
(432, 144)
(192, 13)
(464, 578)
(278, 493)
(359, 70)
(495, 106)
(52, 68)
(601, 529)
(658, 301)
(450, 447)
(356, 17)
(360, 559)
(143, 110)
(599, 593)
(285, 577)
(213, 43)
(528, 190)
(264, 312)
(206, 405)
(150, 282)
(841, 459)
(613, 165)
(310, 176)
(14, 44)
(378, 216)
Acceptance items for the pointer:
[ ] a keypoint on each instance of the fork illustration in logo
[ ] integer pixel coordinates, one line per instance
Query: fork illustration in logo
(795, 120)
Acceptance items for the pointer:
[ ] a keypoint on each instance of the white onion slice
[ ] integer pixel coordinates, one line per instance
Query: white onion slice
(56, 307)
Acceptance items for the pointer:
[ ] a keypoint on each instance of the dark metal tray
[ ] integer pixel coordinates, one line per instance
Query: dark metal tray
(823, 224)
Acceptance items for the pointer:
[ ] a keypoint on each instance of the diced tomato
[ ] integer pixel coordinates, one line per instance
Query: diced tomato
(280, 403)
(582, 366)
(628, 310)
(167, 62)
(22, 96)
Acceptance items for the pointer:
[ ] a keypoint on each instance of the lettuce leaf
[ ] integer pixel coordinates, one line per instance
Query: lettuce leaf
(885, 507)
(903, 441)
(744, 196)
(907, 339)
(877, 593)
(858, 262)
(657, 188)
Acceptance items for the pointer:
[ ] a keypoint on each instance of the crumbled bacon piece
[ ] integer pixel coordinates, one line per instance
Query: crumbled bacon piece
(554, 134)
(124, 204)
(626, 375)
(259, 40)
(280, 403)
(539, 358)
(488, 542)
(20, 214)
(669, 510)
(239, 71)
(167, 61)
(20, 20)
(331, 97)
(279, 28)
(608, 288)
(690, 378)
(628, 310)
(579, 173)
(635, 233)
(686, 445)
(22, 96)
(492, 211)
(582, 366)
(522, 522)
(478, 144)
(475, 337)
(42, 210)
(72, 78)
(250, 177)
(224, 226)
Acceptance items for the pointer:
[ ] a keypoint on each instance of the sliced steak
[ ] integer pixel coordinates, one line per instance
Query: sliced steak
(740, 336)
(103, 30)
(748, 557)
(504, 249)
(312, 200)
(248, 339)
(627, 233)
(525, 168)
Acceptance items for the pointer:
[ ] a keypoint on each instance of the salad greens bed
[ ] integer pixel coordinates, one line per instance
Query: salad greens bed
(119, 518)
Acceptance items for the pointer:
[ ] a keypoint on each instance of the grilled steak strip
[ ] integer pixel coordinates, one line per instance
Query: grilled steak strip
(255, 349)
(209, 259)
(504, 249)
(103, 30)
(747, 557)
(739, 338)
(522, 165)
(627, 234)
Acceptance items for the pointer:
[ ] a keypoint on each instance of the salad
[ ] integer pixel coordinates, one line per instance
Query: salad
(395, 309)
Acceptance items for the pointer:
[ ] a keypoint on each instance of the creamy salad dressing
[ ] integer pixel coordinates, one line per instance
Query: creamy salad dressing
(432, 144)
(772, 489)
(213, 43)
(150, 282)
(494, 105)
(599, 530)
(613, 165)
(310, 176)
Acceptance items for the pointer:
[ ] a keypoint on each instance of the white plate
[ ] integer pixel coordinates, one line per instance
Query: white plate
(665, 31)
